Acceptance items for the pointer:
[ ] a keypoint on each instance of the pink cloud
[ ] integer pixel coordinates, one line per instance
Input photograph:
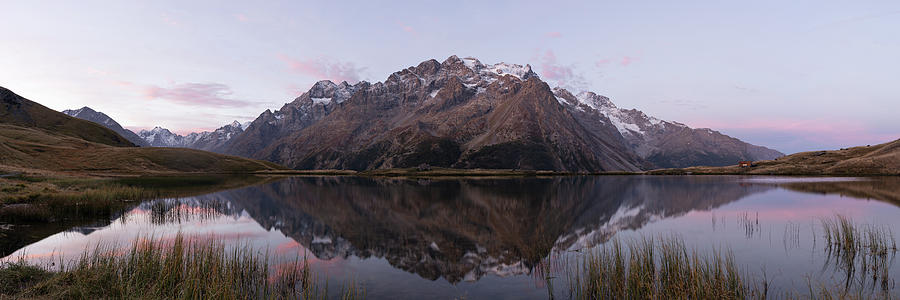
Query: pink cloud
(554, 34)
(241, 17)
(169, 20)
(550, 69)
(199, 94)
(624, 61)
(123, 83)
(406, 28)
(323, 68)
(564, 76)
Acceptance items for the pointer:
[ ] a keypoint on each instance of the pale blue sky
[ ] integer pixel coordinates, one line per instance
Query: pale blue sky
(794, 76)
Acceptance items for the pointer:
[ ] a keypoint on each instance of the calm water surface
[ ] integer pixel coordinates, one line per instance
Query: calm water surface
(487, 238)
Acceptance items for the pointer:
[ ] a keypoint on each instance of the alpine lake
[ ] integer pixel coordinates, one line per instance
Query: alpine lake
(517, 237)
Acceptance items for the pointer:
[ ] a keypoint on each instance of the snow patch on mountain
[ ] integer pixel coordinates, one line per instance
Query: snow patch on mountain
(627, 122)
(499, 69)
(322, 101)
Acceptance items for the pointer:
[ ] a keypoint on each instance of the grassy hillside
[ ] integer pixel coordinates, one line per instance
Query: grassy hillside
(883, 159)
(36, 149)
(15, 110)
(35, 138)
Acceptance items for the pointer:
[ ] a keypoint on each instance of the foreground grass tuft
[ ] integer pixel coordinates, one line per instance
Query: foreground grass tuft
(180, 269)
(663, 269)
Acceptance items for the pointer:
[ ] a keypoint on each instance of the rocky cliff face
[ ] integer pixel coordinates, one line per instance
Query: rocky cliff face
(88, 114)
(305, 110)
(662, 143)
(457, 113)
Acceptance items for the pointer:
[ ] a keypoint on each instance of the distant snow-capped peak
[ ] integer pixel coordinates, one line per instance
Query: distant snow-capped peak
(326, 91)
(629, 122)
(499, 69)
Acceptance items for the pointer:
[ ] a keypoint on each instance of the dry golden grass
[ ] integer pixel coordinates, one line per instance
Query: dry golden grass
(33, 148)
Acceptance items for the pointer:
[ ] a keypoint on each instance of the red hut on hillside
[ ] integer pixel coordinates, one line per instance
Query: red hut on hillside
(745, 164)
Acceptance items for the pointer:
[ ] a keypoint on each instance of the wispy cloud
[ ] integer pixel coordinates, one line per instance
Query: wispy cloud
(744, 89)
(563, 75)
(241, 17)
(553, 34)
(622, 61)
(98, 72)
(322, 68)
(197, 94)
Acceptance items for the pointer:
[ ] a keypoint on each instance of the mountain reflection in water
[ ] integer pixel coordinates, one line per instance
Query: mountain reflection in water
(462, 230)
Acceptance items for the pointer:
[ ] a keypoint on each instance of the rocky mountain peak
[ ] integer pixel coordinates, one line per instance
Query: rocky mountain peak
(326, 91)
(494, 71)
(452, 60)
(428, 67)
(595, 101)
(74, 112)
(322, 88)
(89, 114)
(499, 69)
(158, 129)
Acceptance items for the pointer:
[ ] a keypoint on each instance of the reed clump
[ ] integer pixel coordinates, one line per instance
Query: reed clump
(178, 269)
(658, 269)
(863, 253)
(844, 236)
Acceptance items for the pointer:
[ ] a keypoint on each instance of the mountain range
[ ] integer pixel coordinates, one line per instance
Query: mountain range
(206, 140)
(86, 113)
(459, 113)
(462, 113)
(162, 137)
